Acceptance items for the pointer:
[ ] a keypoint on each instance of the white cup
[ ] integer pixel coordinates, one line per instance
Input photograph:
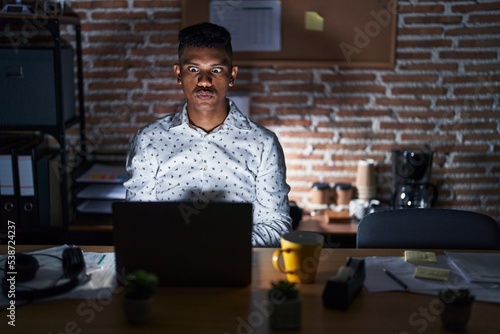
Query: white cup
(358, 208)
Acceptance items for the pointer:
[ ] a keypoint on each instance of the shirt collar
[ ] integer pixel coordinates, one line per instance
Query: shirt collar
(234, 118)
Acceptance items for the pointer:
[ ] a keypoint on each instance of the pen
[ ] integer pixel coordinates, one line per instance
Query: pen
(395, 279)
(101, 259)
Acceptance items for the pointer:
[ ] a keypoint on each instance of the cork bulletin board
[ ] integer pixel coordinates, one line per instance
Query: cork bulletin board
(360, 33)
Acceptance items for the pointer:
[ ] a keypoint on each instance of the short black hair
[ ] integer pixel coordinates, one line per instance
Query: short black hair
(205, 35)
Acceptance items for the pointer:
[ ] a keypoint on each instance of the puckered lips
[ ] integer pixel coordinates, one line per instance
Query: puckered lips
(204, 93)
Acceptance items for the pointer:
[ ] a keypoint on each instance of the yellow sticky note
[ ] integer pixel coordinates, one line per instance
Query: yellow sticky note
(420, 256)
(439, 274)
(314, 21)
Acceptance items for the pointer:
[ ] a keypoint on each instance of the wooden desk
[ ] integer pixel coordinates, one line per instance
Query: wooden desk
(243, 310)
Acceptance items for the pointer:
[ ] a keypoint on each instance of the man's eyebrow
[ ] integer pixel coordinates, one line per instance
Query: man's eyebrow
(220, 65)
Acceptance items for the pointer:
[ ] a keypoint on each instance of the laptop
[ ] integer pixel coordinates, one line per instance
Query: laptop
(184, 243)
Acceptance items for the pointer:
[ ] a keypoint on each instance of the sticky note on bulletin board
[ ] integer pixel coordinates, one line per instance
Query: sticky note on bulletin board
(360, 33)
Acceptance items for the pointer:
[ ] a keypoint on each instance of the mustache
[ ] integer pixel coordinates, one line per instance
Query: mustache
(205, 89)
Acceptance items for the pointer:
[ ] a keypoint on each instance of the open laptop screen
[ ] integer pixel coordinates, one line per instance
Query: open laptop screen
(184, 243)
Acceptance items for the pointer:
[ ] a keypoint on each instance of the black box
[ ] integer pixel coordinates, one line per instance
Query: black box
(27, 87)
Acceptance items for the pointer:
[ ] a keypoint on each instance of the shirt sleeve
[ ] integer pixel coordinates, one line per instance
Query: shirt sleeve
(271, 207)
(141, 171)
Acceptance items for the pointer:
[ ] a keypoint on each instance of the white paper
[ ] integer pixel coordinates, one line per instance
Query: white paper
(100, 173)
(477, 267)
(255, 25)
(378, 281)
(100, 269)
(103, 191)
(96, 206)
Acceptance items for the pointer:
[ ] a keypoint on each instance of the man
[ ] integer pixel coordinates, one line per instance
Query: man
(209, 151)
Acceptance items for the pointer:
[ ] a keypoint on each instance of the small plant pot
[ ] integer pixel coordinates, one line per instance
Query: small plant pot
(286, 315)
(137, 311)
(455, 317)
(457, 307)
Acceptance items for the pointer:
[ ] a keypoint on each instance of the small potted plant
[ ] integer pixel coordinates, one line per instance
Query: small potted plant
(286, 305)
(140, 287)
(457, 308)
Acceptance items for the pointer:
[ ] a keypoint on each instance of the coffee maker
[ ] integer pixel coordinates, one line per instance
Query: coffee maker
(411, 170)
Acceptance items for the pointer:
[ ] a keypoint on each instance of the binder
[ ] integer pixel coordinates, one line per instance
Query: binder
(8, 184)
(49, 190)
(27, 156)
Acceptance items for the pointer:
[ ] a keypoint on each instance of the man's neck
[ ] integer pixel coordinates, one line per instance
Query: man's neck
(209, 120)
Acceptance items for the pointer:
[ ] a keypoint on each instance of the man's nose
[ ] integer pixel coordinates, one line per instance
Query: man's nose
(204, 80)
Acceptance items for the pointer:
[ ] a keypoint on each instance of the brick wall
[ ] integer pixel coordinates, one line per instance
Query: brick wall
(443, 91)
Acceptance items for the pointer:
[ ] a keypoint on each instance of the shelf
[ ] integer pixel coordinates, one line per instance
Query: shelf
(97, 185)
(53, 24)
(63, 19)
(43, 128)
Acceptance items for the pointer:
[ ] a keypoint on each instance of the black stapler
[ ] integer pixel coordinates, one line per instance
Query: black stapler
(341, 289)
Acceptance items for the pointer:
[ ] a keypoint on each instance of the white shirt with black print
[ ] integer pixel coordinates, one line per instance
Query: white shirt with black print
(239, 161)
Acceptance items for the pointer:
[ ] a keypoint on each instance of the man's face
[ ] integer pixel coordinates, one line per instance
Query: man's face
(205, 75)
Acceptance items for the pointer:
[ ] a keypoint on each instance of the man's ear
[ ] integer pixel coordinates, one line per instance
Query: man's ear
(177, 72)
(234, 73)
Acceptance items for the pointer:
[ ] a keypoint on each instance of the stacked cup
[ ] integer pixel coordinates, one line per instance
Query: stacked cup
(319, 199)
(366, 180)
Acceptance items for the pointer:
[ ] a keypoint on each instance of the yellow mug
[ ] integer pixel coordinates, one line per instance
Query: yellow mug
(300, 252)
